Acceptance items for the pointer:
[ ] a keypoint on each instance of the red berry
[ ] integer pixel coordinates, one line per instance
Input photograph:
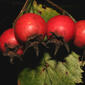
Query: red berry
(79, 39)
(19, 51)
(61, 25)
(8, 38)
(29, 24)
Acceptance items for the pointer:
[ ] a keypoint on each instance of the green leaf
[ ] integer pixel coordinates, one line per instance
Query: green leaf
(51, 72)
(31, 6)
(46, 13)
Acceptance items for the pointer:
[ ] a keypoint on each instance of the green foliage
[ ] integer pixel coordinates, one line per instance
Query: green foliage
(46, 13)
(51, 72)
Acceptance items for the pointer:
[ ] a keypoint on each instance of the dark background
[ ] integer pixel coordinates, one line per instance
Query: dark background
(9, 9)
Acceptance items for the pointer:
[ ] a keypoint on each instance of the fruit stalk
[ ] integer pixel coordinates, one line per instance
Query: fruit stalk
(25, 7)
(62, 10)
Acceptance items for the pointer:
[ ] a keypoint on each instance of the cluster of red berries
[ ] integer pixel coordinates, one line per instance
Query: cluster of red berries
(30, 24)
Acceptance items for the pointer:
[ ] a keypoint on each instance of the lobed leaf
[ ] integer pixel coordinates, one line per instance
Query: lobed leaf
(51, 72)
(46, 13)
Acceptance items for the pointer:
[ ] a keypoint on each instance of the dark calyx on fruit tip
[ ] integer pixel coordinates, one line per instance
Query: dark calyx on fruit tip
(58, 41)
(12, 53)
(34, 41)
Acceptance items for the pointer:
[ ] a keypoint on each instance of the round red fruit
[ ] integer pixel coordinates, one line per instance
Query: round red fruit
(28, 25)
(19, 52)
(79, 39)
(61, 25)
(8, 38)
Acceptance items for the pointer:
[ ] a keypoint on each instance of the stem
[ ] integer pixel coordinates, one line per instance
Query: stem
(19, 82)
(30, 6)
(26, 7)
(62, 10)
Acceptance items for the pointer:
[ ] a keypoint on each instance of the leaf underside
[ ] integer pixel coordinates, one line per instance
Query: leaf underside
(57, 73)
(45, 13)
